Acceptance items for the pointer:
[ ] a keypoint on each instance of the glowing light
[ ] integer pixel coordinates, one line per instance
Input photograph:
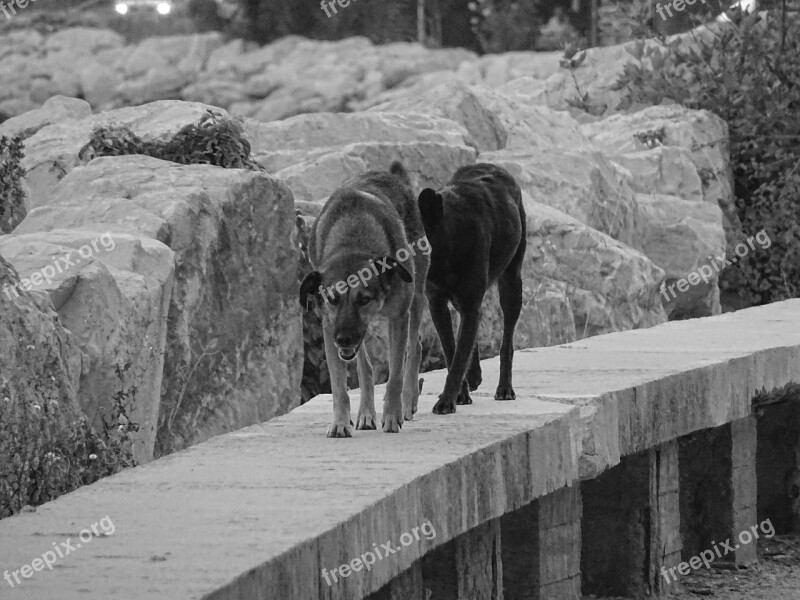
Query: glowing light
(122, 8)
(164, 8)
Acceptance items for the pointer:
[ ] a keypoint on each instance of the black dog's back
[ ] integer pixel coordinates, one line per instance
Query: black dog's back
(482, 217)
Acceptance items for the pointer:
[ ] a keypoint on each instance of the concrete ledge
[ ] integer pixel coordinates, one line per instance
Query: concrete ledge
(256, 514)
(638, 389)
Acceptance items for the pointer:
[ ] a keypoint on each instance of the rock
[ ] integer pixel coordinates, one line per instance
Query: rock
(662, 170)
(114, 302)
(57, 109)
(37, 358)
(701, 133)
(499, 69)
(582, 183)
(429, 164)
(596, 77)
(79, 41)
(281, 144)
(685, 189)
(224, 58)
(53, 151)
(218, 92)
(160, 83)
(234, 339)
(494, 120)
(187, 53)
(610, 286)
(681, 236)
(99, 85)
(20, 42)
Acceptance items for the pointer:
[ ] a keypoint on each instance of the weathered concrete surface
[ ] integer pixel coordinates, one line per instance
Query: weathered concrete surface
(638, 389)
(273, 504)
(258, 492)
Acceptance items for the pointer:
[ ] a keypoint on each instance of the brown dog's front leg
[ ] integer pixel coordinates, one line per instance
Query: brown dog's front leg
(342, 426)
(455, 383)
(392, 419)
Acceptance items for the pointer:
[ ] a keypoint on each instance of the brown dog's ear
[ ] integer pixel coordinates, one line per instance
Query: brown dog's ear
(430, 207)
(310, 288)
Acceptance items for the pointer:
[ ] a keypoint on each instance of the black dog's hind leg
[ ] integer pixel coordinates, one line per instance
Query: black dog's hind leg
(510, 287)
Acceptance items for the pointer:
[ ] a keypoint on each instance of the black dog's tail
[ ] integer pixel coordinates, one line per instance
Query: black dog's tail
(398, 170)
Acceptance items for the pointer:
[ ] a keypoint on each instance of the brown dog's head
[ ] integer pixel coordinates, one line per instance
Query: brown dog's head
(351, 298)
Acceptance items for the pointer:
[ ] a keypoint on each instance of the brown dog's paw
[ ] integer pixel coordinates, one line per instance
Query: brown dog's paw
(444, 407)
(367, 421)
(337, 430)
(392, 423)
(505, 392)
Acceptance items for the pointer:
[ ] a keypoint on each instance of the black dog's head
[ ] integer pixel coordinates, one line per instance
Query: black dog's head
(431, 208)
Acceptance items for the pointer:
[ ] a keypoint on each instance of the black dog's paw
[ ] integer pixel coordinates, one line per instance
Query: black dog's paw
(505, 392)
(463, 396)
(444, 407)
(474, 378)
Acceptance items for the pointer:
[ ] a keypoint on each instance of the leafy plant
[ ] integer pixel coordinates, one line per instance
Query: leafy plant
(12, 194)
(50, 448)
(214, 140)
(749, 74)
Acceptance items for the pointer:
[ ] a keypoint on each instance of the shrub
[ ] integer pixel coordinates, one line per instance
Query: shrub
(12, 195)
(749, 74)
(214, 140)
(50, 449)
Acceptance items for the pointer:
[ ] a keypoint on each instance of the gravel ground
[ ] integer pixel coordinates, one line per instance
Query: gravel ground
(775, 577)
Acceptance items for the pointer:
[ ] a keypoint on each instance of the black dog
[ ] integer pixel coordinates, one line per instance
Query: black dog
(476, 228)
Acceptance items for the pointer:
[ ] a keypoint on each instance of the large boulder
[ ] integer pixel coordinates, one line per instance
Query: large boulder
(596, 77)
(677, 162)
(54, 150)
(234, 337)
(494, 121)
(314, 154)
(112, 293)
(57, 109)
(580, 182)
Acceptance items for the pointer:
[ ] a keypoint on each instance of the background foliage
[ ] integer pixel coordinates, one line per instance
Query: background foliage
(749, 74)
(12, 194)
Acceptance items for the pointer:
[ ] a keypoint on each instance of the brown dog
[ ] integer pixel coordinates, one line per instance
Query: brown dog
(370, 257)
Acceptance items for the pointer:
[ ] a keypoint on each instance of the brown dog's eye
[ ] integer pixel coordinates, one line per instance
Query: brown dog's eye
(363, 300)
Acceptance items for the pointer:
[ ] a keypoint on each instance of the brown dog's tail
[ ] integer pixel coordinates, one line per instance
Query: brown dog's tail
(398, 170)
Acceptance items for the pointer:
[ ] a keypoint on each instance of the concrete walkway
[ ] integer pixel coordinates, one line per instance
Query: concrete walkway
(256, 514)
